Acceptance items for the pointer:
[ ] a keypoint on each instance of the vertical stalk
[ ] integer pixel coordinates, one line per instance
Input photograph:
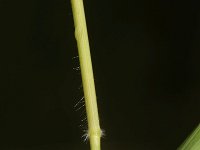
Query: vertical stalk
(81, 35)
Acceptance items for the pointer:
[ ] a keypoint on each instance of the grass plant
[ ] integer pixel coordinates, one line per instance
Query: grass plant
(94, 132)
(81, 35)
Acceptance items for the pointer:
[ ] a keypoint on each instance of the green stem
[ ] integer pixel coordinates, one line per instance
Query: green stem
(94, 131)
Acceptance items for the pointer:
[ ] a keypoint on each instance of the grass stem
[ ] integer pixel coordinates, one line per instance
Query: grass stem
(81, 35)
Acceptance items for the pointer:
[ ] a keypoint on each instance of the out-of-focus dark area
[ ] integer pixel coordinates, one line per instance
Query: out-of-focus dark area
(146, 59)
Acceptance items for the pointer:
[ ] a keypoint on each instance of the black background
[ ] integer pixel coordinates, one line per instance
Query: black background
(146, 66)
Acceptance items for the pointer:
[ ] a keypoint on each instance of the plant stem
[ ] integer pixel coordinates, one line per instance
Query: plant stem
(81, 35)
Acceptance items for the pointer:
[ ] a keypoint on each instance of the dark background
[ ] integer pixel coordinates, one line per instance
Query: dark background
(146, 66)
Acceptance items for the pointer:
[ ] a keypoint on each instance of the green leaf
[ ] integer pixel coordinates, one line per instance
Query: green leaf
(193, 141)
